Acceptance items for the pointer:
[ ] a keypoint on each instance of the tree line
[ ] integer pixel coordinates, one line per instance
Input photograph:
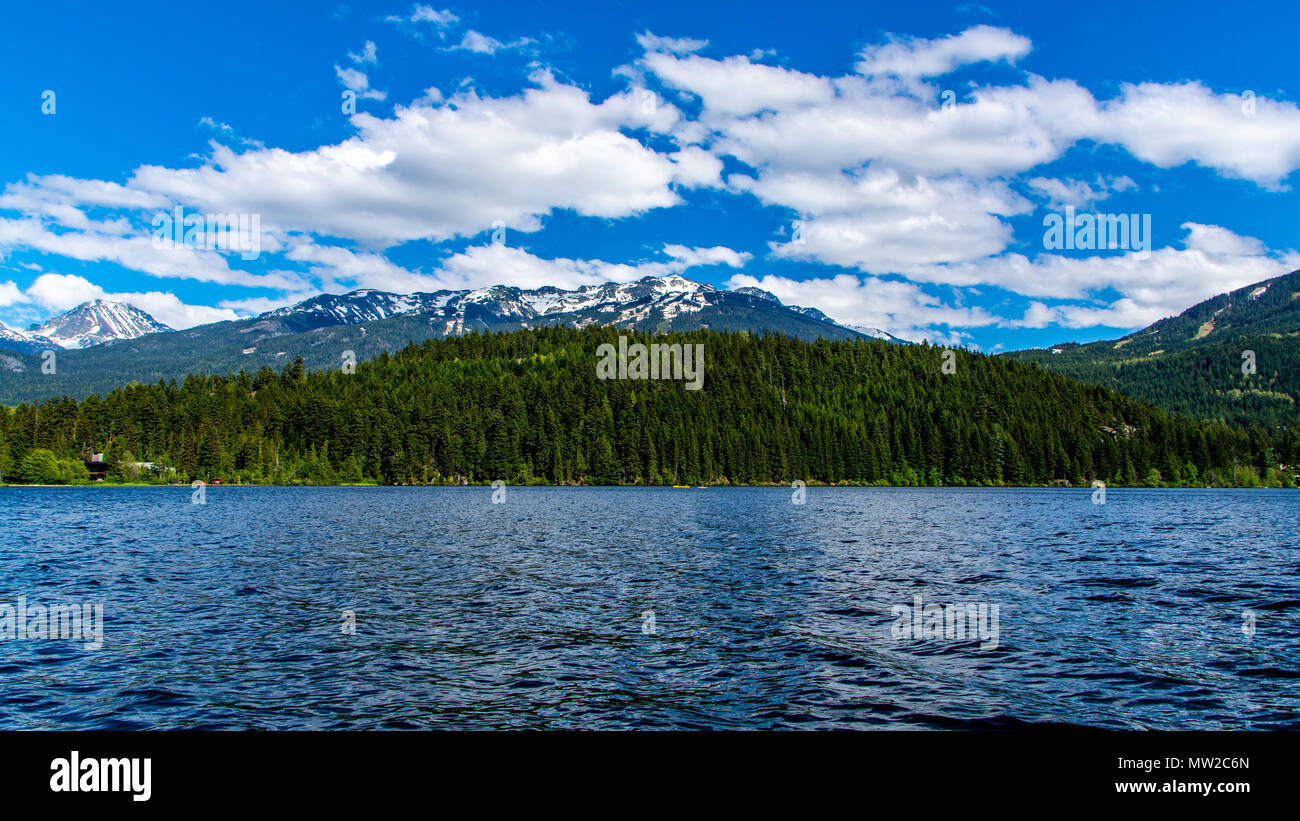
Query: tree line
(527, 407)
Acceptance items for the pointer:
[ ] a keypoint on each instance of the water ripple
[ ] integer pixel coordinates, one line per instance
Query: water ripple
(1159, 609)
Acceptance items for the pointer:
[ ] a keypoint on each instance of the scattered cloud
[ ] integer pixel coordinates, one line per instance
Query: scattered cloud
(512, 159)
(227, 132)
(368, 54)
(1249, 137)
(440, 20)
(909, 57)
(883, 221)
(1081, 194)
(669, 45)
(359, 83)
(479, 43)
(10, 293)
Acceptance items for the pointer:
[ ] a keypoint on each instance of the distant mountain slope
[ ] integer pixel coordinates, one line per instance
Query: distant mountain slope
(23, 341)
(1192, 363)
(368, 323)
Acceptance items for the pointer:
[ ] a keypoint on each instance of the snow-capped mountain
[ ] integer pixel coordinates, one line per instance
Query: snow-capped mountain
(671, 301)
(654, 304)
(96, 322)
(24, 341)
(875, 333)
(368, 323)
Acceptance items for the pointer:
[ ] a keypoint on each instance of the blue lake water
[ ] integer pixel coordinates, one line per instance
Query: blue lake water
(1160, 608)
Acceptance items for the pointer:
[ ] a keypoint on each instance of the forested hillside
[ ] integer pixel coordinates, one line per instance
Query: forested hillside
(1233, 359)
(526, 406)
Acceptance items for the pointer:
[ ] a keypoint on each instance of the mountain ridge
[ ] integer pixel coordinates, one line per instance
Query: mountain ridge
(627, 299)
(24, 341)
(368, 322)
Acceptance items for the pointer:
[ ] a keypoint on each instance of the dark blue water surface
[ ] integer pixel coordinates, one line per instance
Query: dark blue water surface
(767, 614)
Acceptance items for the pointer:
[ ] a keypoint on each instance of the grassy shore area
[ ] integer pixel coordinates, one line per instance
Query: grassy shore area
(1062, 486)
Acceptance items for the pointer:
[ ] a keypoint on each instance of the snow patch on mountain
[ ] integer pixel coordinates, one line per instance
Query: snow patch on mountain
(874, 333)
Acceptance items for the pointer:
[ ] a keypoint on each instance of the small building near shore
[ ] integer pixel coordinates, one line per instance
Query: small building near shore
(96, 467)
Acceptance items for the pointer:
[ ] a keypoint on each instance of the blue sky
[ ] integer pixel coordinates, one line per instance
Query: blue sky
(891, 164)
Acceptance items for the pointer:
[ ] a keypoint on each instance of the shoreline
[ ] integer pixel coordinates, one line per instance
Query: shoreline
(786, 486)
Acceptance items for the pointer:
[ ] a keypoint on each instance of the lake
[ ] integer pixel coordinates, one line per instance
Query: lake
(619, 608)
